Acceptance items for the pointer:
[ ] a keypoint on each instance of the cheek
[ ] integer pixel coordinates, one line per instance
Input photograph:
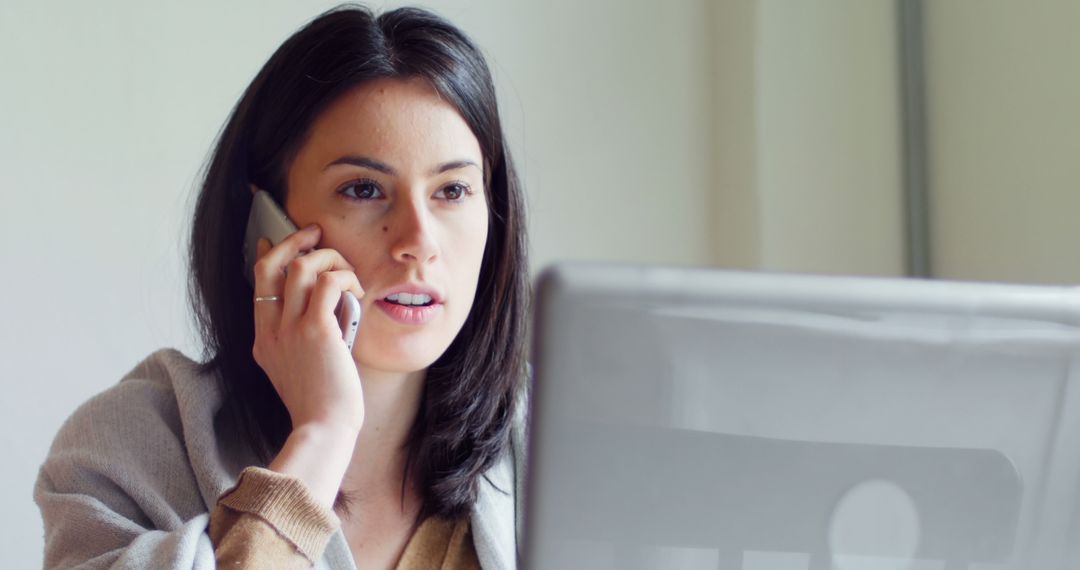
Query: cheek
(472, 240)
(362, 245)
(463, 241)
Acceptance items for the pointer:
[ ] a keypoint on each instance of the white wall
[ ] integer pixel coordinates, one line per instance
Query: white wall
(107, 113)
(607, 100)
(807, 136)
(828, 137)
(105, 118)
(1003, 102)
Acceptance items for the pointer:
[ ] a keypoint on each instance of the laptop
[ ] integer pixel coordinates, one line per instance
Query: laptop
(706, 419)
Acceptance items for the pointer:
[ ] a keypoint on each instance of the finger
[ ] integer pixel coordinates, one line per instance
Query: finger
(301, 276)
(325, 296)
(267, 313)
(270, 276)
(270, 267)
(272, 281)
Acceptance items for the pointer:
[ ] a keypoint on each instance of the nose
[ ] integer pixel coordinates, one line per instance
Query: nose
(413, 234)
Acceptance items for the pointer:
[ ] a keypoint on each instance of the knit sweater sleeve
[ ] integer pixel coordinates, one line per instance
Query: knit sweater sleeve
(116, 490)
(269, 520)
(132, 474)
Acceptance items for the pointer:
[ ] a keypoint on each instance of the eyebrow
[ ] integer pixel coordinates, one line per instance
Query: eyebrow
(366, 162)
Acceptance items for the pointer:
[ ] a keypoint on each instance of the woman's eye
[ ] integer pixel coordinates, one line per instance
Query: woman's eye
(454, 192)
(362, 190)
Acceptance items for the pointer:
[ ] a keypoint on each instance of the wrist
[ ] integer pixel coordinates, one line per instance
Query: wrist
(318, 454)
(331, 424)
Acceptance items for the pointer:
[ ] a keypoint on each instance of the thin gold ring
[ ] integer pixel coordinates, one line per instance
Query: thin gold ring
(267, 298)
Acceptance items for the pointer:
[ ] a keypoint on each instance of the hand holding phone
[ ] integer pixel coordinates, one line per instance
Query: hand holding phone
(268, 220)
(297, 344)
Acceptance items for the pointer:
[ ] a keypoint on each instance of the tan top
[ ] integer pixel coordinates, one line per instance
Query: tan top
(270, 520)
(134, 477)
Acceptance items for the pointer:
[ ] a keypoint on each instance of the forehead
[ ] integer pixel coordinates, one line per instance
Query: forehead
(400, 121)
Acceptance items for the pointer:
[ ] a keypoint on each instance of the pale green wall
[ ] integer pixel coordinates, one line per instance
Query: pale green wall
(1004, 131)
(808, 137)
(828, 137)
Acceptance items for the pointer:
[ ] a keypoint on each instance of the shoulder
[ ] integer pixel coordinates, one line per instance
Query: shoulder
(498, 515)
(129, 441)
(143, 403)
(519, 444)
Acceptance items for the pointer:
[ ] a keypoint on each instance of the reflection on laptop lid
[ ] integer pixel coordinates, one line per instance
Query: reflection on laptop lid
(692, 418)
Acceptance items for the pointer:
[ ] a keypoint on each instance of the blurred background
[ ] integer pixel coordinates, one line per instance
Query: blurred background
(866, 137)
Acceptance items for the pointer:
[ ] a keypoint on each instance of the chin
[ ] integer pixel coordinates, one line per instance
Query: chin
(400, 357)
(397, 366)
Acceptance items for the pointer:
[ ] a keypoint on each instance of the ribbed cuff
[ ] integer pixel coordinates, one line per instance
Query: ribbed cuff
(286, 503)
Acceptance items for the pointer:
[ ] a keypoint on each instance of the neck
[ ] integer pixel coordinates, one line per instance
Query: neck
(391, 402)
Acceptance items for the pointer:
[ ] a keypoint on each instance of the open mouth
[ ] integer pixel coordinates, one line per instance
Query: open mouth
(410, 300)
(410, 309)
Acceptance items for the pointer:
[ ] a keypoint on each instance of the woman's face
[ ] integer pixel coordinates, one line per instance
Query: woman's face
(394, 177)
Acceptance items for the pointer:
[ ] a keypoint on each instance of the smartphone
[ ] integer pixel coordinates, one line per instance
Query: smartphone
(268, 220)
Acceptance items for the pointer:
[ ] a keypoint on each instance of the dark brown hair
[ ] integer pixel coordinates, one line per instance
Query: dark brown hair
(471, 391)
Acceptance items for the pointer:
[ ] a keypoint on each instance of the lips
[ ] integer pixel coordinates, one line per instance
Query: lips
(409, 315)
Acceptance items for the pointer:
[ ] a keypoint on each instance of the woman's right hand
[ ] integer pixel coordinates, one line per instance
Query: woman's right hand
(298, 344)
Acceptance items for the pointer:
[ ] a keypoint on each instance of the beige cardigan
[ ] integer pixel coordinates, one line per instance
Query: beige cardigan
(271, 520)
(133, 475)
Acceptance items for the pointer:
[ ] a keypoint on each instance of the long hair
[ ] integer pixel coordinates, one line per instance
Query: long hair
(472, 389)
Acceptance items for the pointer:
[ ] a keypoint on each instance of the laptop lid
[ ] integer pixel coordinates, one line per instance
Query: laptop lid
(693, 418)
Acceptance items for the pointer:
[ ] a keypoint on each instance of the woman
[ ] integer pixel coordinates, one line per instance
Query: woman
(380, 137)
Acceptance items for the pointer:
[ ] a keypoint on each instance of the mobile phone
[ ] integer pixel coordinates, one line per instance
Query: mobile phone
(268, 220)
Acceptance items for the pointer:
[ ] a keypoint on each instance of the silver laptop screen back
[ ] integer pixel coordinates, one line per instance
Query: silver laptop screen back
(707, 419)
